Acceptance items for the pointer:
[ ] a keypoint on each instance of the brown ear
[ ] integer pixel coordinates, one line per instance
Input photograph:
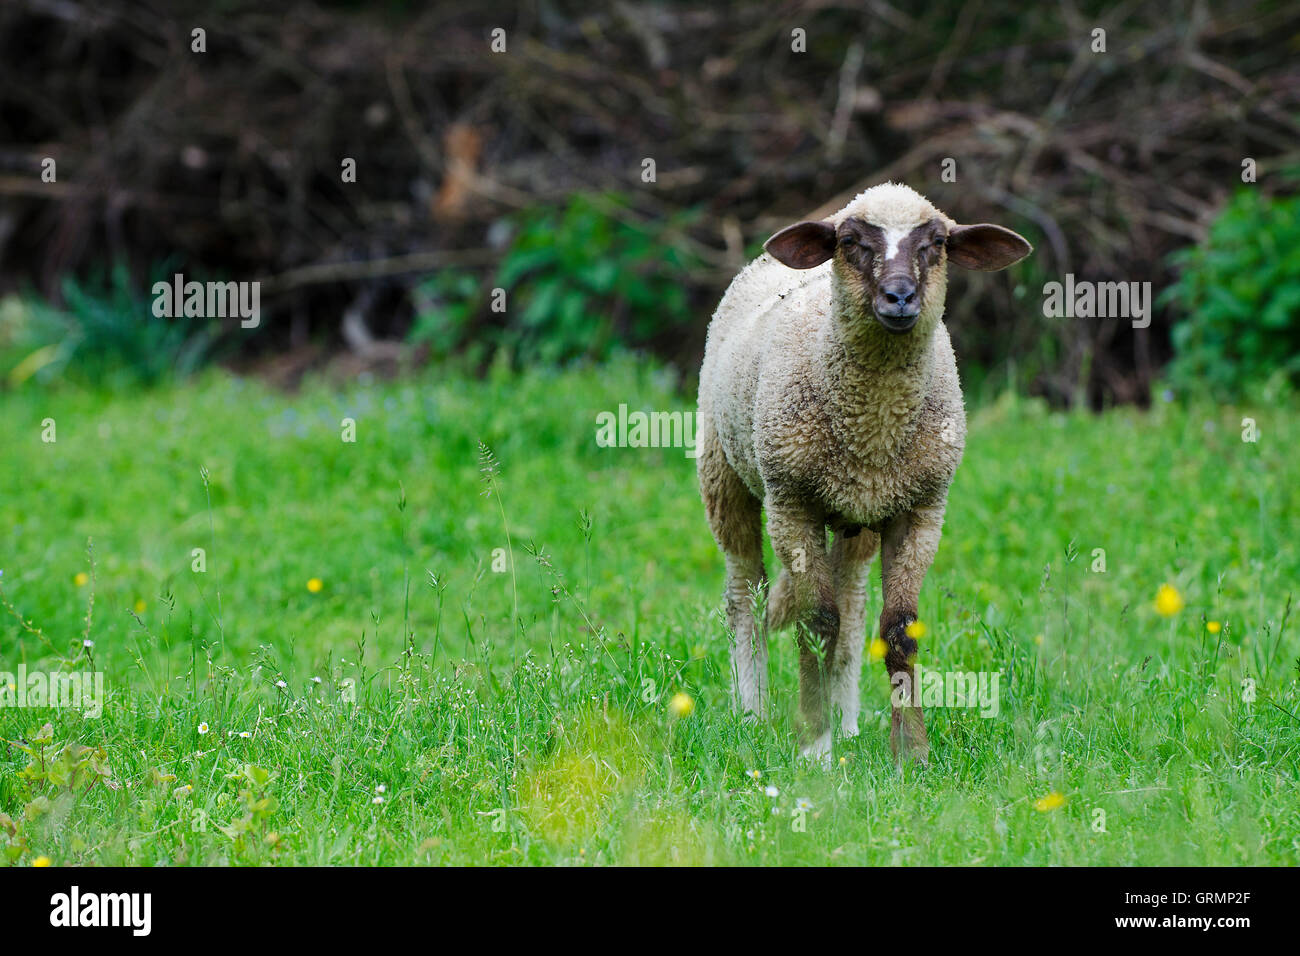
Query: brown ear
(803, 245)
(986, 247)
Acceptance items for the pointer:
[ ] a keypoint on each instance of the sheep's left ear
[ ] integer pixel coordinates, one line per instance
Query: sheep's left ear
(986, 247)
(803, 245)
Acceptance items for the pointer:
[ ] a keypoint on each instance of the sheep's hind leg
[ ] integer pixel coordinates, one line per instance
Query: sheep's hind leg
(799, 539)
(782, 602)
(850, 564)
(748, 641)
(737, 521)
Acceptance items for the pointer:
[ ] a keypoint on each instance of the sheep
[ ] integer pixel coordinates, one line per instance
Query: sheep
(829, 398)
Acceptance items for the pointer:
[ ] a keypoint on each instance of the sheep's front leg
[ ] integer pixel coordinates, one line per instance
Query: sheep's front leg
(799, 539)
(908, 546)
(850, 564)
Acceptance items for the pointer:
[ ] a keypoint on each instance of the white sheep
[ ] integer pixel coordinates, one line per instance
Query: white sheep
(830, 398)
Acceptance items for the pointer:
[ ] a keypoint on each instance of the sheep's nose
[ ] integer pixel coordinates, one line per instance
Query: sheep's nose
(896, 298)
(898, 291)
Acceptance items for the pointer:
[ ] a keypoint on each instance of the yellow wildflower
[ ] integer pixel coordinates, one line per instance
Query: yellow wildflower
(681, 705)
(1050, 802)
(1168, 601)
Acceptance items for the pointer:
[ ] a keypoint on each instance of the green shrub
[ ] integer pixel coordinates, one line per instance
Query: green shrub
(446, 304)
(581, 281)
(104, 335)
(1241, 292)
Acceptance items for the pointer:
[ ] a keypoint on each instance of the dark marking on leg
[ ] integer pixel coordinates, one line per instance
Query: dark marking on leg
(900, 650)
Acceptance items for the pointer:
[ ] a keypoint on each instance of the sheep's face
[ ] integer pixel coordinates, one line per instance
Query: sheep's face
(891, 267)
(890, 250)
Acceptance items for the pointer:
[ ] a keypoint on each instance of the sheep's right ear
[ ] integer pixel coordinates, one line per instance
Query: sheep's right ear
(803, 245)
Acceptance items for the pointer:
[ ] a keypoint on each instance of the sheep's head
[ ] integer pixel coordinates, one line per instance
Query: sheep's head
(889, 250)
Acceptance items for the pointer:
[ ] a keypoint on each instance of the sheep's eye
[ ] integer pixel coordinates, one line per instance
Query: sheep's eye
(940, 241)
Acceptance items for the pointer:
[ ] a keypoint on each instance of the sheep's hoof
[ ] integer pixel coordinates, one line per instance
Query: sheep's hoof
(750, 707)
(907, 737)
(819, 751)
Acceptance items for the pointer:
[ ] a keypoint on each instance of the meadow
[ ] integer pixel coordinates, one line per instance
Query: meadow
(413, 648)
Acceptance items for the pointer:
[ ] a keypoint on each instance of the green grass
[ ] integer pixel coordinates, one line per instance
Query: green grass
(552, 742)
